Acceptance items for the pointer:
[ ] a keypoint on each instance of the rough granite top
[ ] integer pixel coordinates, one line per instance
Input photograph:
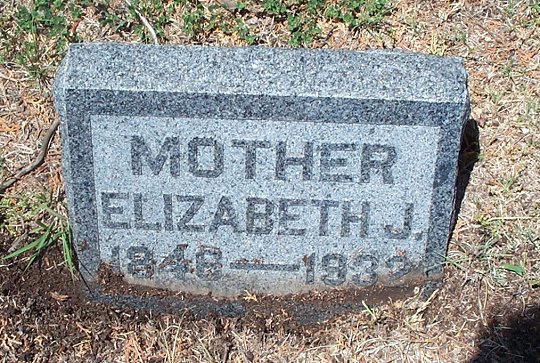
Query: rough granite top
(377, 74)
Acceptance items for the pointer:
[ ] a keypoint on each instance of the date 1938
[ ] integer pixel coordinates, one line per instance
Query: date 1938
(333, 269)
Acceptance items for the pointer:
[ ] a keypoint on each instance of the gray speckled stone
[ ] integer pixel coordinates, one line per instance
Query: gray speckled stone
(275, 171)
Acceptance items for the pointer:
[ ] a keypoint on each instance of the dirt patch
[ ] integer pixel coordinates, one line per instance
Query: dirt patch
(43, 312)
(291, 312)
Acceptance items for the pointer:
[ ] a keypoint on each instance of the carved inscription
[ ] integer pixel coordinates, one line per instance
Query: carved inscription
(251, 216)
(322, 207)
(207, 265)
(375, 159)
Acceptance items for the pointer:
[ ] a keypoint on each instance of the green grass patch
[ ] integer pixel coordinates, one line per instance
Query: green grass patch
(34, 35)
(360, 13)
(39, 220)
(517, 269)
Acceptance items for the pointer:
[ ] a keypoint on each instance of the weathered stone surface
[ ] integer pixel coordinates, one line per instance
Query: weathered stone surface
(274, 171)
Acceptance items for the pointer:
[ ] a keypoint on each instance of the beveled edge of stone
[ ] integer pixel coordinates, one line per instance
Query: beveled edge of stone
(378, 74)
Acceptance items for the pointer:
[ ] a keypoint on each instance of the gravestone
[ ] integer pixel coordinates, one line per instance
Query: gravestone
(272, 171)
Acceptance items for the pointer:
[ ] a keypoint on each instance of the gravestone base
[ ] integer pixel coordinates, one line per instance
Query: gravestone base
(298, 309)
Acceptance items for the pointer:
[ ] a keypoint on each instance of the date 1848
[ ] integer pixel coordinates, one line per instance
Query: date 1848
(333, 269)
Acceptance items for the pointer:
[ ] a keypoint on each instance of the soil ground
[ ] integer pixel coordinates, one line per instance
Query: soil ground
(487, 308)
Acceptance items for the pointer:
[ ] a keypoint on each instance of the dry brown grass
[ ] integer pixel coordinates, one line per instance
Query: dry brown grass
(499, 222)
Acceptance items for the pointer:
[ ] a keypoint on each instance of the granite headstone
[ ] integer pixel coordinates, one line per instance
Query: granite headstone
(274, 171)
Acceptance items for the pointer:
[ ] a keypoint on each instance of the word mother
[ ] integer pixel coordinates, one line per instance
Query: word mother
(373, 158)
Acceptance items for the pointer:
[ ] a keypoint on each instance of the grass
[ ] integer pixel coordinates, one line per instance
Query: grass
(35, 218)
(24, 43)
(493, 262)
(37, 32)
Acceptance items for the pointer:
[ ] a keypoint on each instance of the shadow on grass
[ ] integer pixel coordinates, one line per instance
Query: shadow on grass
(511, 340)
(468, 156)
(508, 340)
